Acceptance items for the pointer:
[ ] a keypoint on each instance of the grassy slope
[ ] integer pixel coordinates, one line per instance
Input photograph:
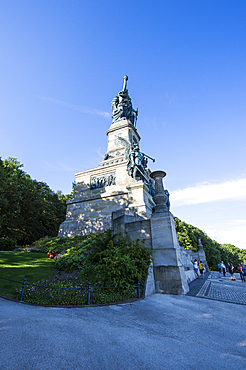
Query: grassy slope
(19, 265)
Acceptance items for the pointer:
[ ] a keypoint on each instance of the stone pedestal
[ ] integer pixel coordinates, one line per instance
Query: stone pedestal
(125, 129)
(140, 199)
(168, 270)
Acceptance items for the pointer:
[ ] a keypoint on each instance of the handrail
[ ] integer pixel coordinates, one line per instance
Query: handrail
(89, 288)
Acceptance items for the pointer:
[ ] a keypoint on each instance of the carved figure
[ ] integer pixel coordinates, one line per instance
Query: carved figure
(98, 182)
(139, 162)
(127, 145)
(122, 106)
(136, 161)
(168, 201)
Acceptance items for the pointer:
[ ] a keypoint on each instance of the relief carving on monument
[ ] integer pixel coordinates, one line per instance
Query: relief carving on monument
(98, 182)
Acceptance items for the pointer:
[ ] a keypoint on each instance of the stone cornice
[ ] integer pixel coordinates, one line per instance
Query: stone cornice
(123, 124)
(108, 164)
(96, 196)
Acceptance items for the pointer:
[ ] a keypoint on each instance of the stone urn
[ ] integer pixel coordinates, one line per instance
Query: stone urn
(160, 198)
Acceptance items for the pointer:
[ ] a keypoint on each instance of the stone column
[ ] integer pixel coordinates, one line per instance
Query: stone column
(168, 269)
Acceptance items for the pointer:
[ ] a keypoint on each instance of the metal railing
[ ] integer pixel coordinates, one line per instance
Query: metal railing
(89, 288)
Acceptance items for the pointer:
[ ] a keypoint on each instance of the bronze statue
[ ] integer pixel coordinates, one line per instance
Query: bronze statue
(122, 106)
(136, 161)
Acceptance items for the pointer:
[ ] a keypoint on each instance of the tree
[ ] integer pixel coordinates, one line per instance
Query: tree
(188, 238)
(29, 210)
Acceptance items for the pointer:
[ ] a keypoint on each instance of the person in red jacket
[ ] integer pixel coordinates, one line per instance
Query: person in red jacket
(51, 254)
(240, 271)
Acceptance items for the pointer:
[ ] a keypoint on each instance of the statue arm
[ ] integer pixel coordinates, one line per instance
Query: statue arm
(125, 81)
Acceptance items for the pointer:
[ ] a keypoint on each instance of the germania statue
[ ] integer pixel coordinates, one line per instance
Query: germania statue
(122, 106)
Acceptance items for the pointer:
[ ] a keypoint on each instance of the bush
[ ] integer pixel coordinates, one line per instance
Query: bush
(112, 264)
(7, 244)
(108, 260)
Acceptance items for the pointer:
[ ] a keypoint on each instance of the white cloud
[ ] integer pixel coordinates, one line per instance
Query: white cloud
(207, 192)
(224, 222)
(243, 222)
(233, 232)
(76, 107)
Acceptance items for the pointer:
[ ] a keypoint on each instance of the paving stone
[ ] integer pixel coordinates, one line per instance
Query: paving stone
(220, 288)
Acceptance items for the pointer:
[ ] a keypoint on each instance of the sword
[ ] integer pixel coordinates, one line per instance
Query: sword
(153, 159)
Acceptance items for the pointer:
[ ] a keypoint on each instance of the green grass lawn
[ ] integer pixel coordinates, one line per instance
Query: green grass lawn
(32, 266)
(35, 267)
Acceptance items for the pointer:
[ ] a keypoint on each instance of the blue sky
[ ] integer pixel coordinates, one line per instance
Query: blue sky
(62, 63)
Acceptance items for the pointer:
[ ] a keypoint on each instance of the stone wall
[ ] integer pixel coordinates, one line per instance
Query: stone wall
(186, 258)
(172, 268)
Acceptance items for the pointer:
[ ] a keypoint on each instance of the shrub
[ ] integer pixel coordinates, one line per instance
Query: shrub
(108, 260)
(7, 244)
(104, 261)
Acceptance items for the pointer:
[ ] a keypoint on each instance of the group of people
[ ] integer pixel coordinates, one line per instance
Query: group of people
(222, 268)
(51, 254)
(241, 268)
(198, 265)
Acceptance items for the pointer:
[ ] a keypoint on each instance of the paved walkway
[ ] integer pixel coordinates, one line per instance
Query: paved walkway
(217, 287)
(160, 332)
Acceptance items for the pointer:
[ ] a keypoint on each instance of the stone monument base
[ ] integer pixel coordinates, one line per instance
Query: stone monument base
(170, 280)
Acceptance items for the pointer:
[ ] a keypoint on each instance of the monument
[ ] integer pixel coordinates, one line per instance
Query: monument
(123, 194)
(120, 182)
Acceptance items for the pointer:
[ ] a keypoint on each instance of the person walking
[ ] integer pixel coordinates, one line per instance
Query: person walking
(240, 271)
(201, 268)
(223, 268)
(244, 272)
(219, 267)
(231, 271)
(195, 263)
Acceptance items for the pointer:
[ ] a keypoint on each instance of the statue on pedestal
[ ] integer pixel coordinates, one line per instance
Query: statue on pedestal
(122, 106)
